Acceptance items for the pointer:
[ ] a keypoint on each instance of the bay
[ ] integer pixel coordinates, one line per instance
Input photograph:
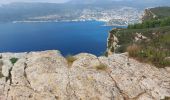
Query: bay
(67, 37)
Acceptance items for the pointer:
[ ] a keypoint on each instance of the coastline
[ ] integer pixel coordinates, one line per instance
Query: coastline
(105, 22)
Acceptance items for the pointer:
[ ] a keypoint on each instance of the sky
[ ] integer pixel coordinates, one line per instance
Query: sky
(50, 1)
(58, 1)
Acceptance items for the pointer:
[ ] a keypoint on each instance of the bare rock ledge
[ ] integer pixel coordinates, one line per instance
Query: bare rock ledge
(48, 76)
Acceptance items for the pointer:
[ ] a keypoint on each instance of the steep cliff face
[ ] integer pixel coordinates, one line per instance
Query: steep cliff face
(47, 75)
(112, 42)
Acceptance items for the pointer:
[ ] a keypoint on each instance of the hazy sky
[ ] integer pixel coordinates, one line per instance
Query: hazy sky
(56, 1)
(51, 1)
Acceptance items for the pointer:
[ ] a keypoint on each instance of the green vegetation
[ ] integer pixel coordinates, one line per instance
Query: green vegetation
(156, 48)
(153, 51)
(151, 24)
(70, 59)
(13, 60)
(156, 17)
(156, 13)
(161, 12)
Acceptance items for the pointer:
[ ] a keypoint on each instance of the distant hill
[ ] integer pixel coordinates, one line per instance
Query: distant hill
(156, 13)
(17, 12)
(22, 11)
(89, 1)
(132, 3)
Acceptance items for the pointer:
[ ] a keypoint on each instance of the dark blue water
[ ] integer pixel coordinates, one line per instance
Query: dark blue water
(68, 37)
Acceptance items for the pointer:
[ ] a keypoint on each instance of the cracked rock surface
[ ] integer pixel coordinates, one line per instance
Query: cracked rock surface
(47, 75)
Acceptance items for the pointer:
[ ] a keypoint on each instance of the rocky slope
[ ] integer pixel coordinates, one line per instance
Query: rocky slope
(156, 13)
(148, 14)
(48, 76)
(151, 37)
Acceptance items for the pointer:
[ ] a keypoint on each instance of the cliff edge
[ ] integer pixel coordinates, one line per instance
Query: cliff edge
(47, 75)
(148, 41)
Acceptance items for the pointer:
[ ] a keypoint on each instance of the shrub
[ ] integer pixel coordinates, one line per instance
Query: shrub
(164, 63)
(70, 59)
(133, 50)
(13, 60)
(152, 23)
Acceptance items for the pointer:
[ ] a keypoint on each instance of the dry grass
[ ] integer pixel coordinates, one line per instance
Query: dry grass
(166, 98)
(133, 50)
(1, 64)
(70, 59)
(101, 67)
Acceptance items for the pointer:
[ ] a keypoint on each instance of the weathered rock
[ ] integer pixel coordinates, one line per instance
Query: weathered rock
(2, 88)
(148, 14)
(48, 76)
(112, 42)
(6, 67)
(140, 37)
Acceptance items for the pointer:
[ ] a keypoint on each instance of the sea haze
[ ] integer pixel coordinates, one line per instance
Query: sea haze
(68, 37)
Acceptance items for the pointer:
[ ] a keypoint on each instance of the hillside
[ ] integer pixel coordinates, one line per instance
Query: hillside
(148, 41)
(51, 12)
(47, 75)
(129, 3)
(156, 13)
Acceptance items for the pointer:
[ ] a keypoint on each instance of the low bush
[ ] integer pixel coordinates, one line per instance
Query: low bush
(149, 55)
(151, 24)
(13, 60)
(153, 51)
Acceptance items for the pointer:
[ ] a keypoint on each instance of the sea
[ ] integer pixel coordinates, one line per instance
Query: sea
(69, 38)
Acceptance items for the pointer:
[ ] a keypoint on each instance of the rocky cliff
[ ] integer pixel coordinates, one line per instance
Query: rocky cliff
(148, 14)
(156, 13)
(48, 75)
(112, 42)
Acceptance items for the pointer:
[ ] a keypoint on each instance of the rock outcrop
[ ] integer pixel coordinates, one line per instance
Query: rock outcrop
(148, 14)
(140, 37)
(48, 76)
(112, 42)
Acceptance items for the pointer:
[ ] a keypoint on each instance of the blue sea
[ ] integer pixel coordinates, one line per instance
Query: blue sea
(67, 37)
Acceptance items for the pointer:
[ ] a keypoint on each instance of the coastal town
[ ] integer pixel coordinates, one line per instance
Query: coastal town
(113, 17)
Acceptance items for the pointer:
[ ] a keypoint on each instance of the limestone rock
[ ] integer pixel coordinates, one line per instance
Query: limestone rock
(140, 37)
(47, 75)
(112, 42)
(6, 67)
